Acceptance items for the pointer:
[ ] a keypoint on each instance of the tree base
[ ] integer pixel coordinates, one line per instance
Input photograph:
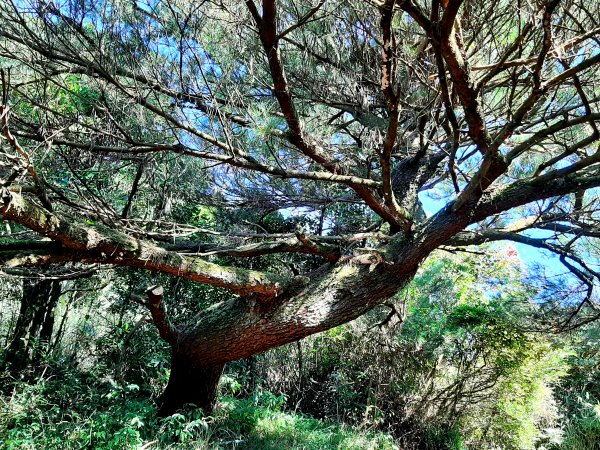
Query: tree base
(190, 382)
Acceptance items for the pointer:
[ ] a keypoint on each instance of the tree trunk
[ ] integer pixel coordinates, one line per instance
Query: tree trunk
(190, 382)
(34, 325)
(47, 328)
(242, 327)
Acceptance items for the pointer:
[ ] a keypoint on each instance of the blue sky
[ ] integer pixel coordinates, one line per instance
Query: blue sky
(530, 256)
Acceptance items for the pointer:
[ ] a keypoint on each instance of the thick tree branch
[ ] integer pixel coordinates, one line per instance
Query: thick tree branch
(102, 244)
(556, 183)
(267, 26)
(387, 87)
(451, 8)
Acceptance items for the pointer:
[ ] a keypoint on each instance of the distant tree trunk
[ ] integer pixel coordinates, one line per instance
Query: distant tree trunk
(35, 324)
(45, 337)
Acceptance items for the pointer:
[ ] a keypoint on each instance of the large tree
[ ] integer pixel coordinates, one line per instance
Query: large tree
(171, 135)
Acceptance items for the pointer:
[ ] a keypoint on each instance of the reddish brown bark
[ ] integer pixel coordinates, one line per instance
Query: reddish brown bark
(239, 328)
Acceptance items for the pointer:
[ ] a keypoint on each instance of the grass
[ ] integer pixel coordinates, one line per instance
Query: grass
(272, 429)
(72, 414)
(583, 434)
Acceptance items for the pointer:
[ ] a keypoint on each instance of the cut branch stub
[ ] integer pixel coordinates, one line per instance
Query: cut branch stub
(159, 314)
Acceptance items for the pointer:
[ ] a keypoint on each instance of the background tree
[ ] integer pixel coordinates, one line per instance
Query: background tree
(34, 323)
(130, 127)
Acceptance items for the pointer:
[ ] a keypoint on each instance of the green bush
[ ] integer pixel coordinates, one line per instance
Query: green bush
(80, 411)
(583, 433)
